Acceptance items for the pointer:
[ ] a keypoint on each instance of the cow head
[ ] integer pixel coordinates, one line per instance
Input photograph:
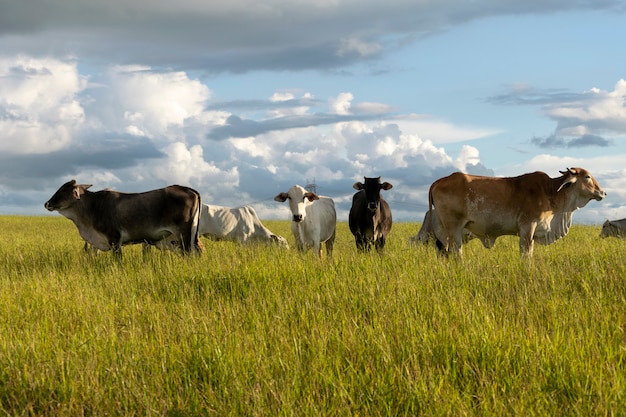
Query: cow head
(298, 199)
(66, 196)
(372, 189)
(584, 186)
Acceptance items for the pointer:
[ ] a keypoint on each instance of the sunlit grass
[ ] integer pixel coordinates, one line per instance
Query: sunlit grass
(265, 331)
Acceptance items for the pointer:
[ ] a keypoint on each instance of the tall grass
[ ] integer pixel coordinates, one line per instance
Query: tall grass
(261, 331)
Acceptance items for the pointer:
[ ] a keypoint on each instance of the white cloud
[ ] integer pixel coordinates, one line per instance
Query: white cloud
(341, 103)
(39, 108)
(156, 103)
(595, 112)
(442, 132)
(468, 156)
(187, 165)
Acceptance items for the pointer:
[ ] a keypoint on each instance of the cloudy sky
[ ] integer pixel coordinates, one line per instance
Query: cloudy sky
(242, 99)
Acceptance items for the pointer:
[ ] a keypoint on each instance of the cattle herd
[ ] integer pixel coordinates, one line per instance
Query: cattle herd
(461, 207)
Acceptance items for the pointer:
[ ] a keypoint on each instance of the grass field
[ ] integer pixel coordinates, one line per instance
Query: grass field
(260, 331)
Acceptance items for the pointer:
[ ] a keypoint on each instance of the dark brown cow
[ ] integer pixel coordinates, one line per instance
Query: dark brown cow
(533, 206)
(108, 219)
(614, 228)
(370, 215)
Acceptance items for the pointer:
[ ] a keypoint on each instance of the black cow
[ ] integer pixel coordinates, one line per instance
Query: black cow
(108, 219)
(370, 215)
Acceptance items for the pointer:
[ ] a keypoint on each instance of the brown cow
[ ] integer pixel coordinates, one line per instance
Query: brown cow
(370, 216)
(430, 225)
(108, 219)
(533, 206)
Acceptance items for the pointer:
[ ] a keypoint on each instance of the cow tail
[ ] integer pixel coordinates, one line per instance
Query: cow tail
(431, 205)
(196, 243)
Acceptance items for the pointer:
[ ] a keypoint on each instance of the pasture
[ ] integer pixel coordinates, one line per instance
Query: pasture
(261, 331)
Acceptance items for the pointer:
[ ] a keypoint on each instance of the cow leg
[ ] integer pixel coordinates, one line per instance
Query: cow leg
(116, 248)
(380, 243)
(317, 248)
(145, 248)
(361, 242)
(329, 245)
(526, 241)
(89, 249)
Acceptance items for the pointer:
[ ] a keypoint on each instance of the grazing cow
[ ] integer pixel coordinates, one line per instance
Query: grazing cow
(614, 228)
(108, 219)
(314, 219)
(430, 227)
(241, 225)
(370, 216)
(533, 206)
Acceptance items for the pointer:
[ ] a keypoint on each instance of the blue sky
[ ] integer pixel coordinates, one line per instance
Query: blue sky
(241, 99)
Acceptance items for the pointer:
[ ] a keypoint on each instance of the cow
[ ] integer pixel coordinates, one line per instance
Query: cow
(533, 206)
(314, 219)
(109, 219)
(614, 228)
(370, 216)
(240, 225)
(430, 225)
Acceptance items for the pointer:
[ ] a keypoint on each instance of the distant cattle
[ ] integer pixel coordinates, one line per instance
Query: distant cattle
(430, 227)
(108, 219)
(533, 206)
(370, 216)
(240, 225)
(614, 228)
(314, 219)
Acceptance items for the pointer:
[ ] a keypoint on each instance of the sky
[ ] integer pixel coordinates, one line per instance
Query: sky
(243, 99)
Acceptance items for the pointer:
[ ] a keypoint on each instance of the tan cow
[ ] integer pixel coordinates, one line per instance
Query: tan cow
(533, 206)
(427, 232)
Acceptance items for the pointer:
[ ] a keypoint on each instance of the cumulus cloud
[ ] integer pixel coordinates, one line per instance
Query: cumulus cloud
(590, 118)
(39, 106)
(151, 103)
(141, 129)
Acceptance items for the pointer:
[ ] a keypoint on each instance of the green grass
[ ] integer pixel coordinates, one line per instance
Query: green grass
(260, 331)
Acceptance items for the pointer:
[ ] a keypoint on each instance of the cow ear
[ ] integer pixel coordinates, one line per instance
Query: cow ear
(386, 186)
(281, 198)
(311, 196)
(357, 186)
(80, 190)
(567, 183)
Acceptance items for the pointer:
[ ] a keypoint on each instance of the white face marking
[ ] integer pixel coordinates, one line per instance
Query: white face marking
(297, 201)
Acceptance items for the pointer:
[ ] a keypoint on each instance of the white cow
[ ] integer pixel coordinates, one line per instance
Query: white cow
(240, 224)
(314, 219)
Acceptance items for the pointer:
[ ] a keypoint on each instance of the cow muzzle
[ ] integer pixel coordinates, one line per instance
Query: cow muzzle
(48, 206)
(297, 218)
(372, 207)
